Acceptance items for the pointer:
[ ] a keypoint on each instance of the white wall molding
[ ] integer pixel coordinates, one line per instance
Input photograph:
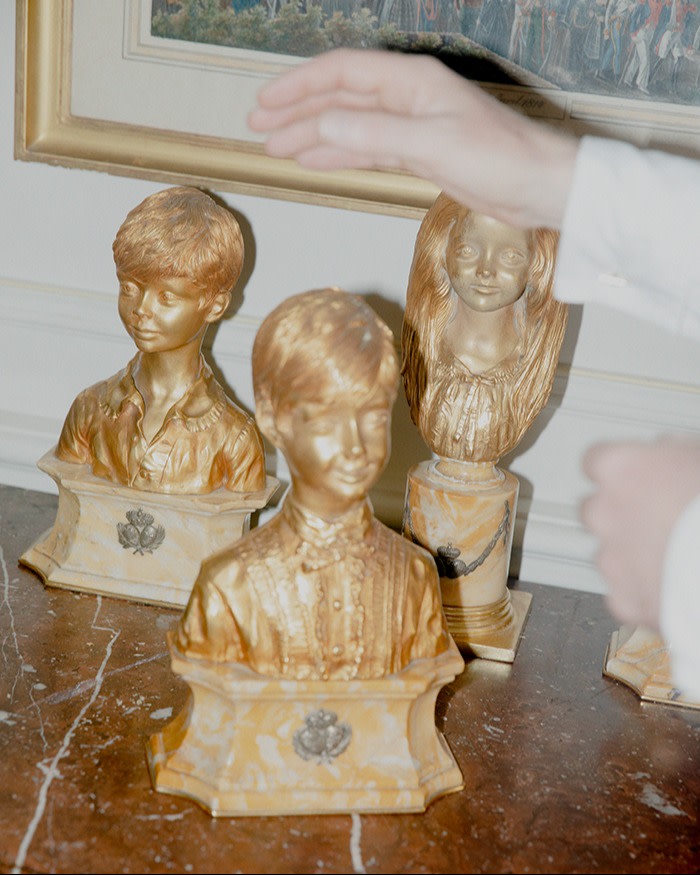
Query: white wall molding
(54, 341)
(619, 398)
(23, 440)
(76, 312)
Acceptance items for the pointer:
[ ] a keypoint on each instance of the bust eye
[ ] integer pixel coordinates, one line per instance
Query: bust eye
(375, 418)
(317, 417)
(513, 256)
(128, 289)
(466, 250)
(321, 425)
(166, 297)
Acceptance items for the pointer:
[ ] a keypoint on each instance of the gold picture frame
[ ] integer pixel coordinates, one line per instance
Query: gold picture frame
(47, 129)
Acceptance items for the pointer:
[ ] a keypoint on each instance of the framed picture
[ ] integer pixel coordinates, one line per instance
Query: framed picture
(160, 89)
(89, 94)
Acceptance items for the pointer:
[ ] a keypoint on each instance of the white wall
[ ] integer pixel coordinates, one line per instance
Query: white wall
(60, 332)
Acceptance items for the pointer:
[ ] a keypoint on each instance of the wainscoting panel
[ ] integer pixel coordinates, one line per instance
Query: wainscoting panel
(56, 341)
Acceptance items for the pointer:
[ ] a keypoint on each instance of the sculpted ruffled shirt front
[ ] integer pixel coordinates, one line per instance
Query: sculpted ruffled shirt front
(481, 417)
(301, 598)
(206, 442)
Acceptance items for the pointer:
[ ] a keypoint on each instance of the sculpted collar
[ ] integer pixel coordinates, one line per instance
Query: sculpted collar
(324, 542)
(450, 365)
(199, 408)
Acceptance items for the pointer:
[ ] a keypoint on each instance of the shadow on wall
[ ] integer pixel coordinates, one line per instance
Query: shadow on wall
(407, 446)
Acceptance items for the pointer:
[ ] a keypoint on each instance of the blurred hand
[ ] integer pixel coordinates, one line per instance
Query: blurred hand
(642, 489)
(372, 109)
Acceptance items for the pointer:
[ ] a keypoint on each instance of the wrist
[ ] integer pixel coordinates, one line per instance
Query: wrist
(552, 170)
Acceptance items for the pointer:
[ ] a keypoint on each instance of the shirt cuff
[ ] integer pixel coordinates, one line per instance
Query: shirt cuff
(680, 601)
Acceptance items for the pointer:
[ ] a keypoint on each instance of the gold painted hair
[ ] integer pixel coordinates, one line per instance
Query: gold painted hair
(181, 232)
(322, 344)
(429, 298)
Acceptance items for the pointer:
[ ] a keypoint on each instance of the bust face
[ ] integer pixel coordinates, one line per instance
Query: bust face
(488, 262)
(162, 314)
(335, 451)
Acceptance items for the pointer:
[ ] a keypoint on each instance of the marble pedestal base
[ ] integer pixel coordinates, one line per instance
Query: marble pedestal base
(122, 542)
(638, 658)
(464, 514)
(253, 745)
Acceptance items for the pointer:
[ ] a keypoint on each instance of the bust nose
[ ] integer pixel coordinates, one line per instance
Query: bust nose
(144, 306)
(486, 266)
(352, 439)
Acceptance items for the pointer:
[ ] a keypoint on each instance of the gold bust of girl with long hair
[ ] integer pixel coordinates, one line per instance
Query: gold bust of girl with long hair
(481, 331)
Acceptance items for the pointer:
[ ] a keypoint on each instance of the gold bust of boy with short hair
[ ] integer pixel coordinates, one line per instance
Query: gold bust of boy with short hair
(323, 591)
(163, 423)
(315, 646)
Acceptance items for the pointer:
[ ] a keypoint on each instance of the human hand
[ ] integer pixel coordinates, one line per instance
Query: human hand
(642, 489)
(372, 109)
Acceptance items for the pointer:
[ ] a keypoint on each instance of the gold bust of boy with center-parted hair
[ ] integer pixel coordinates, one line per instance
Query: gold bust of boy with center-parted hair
(323, 591)
(163, 423)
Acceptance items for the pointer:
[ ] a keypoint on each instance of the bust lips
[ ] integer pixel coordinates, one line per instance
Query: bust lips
(485, 290)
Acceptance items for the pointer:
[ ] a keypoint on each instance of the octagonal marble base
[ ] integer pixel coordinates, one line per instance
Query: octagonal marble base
(252, 745)
(122, 542)
(638, 657)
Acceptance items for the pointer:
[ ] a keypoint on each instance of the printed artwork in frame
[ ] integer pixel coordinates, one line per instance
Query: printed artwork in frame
(160, 89)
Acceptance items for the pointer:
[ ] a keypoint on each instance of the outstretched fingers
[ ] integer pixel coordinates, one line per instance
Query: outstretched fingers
(363, 109)
(264, 119)
(341, 138)
(390, 79)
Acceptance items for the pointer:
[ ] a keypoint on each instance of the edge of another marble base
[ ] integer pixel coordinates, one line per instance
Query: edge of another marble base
(646, 670)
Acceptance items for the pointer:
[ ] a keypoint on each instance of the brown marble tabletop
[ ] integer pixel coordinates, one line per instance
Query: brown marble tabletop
(565, 771)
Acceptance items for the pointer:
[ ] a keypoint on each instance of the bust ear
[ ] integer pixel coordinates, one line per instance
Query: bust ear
(218, 306)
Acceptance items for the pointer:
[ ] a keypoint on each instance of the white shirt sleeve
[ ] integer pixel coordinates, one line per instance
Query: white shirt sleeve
(680, 601)
(631, 240)
(631, 234)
